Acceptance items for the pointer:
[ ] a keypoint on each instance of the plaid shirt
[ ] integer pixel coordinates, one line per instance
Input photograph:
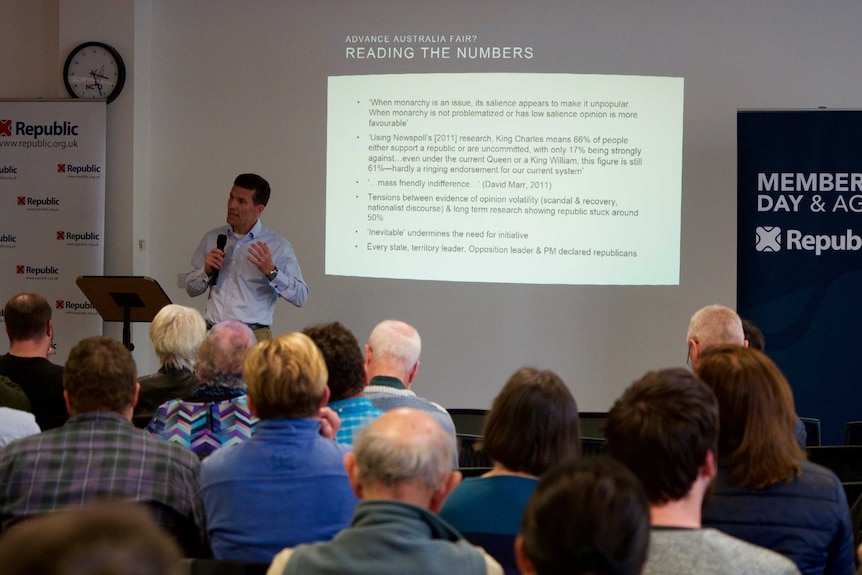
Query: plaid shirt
(355, 413)
(96, 456)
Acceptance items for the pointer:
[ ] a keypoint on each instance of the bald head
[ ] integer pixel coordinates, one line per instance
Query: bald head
(713, 325)
(404, 454)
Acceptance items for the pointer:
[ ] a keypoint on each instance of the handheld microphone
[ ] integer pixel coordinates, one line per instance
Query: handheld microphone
(221, 241)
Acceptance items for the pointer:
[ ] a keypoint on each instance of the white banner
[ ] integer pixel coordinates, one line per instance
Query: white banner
(52, 221)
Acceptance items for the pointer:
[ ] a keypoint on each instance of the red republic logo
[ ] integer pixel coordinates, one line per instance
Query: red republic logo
(22, 200)
(61, 235)
(19, 269)
(61, 168)
(5, 127)
(60, 304)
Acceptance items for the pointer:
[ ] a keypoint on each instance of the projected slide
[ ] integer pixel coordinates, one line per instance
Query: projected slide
(505, 178)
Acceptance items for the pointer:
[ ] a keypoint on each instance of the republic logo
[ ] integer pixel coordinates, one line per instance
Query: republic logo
(5, 128)
(768, 239)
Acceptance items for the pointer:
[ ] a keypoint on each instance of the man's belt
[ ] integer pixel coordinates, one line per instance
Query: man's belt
(251, 326)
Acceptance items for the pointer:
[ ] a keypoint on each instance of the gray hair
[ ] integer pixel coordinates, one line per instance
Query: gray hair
(221, 355)
(396, 341)
(176, 332)
(404, 445)
(716, 325)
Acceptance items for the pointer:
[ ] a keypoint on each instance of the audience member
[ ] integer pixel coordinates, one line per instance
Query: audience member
(15, 424)
(31, 333)
(402, 471)
(347, 381)
(216, 414)
(533, 424)
(12, 396)
(763, 476)
(391, 364)
(718, 325)
(286, 485)
(176, 333)
(117, 539)
(753, 335)
(665, 429)
(587, 517)
(98, 454)
(713, 325)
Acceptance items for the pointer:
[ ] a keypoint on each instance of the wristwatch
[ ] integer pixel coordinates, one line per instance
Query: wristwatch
(271, 275)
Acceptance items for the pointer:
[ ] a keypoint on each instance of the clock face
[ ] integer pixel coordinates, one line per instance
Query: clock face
(94, 70)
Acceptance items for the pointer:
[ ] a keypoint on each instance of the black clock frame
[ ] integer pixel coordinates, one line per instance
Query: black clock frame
(121, 68)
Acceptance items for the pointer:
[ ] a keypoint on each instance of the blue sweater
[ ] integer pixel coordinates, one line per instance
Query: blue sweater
(284, 486)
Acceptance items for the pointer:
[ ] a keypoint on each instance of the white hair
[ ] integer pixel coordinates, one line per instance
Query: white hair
(176, 332)
(716, 325)
(396, 341)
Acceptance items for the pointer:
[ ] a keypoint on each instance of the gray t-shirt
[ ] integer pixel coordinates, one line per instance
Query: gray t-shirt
(710, 552)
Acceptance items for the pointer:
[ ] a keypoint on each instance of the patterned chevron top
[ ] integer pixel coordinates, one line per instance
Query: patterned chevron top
(204, 426)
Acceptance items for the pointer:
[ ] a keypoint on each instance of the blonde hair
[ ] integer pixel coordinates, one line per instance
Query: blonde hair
(176, 333)
(286, 377)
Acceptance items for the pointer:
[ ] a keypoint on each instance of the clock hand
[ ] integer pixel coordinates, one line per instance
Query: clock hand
(96, 82)
(99, 74)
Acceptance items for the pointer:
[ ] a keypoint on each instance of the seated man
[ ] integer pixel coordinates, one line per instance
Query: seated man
(665, 429)
(31, 333)
(98, 454)
(587, 516)
(286, 485)
(346, 380)
(391, 365)
(402, 471)
(12, 396)
(103, 538)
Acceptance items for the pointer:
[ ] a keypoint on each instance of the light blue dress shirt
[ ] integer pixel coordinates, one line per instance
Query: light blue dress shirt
(242, 292)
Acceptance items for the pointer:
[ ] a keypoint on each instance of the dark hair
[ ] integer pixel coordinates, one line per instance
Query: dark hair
(662, 428)
(256, 183)
(756, 339)
(758, 418)
(27, 315)
(99, 375)
(533, 422)
(107, 538)
(343, 358)
(587, 515)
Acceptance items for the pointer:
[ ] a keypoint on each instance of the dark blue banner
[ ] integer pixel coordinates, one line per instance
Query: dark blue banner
(799, 253)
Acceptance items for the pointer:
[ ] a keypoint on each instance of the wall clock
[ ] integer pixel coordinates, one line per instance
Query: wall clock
(94, 70)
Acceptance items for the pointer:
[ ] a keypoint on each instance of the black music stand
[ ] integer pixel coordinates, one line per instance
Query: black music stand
(125, 299)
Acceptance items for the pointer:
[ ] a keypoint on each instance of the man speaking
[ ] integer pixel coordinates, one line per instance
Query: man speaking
(245, 265)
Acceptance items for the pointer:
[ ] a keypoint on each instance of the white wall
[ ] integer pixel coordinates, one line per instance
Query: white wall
(222, 87)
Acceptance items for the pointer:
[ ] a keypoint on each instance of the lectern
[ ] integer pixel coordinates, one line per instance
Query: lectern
(125, 299)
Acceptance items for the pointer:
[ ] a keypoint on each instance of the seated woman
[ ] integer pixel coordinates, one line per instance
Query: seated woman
(766, 492)
(533, 424)
(176, 333)
(216, 413)
(588, 516)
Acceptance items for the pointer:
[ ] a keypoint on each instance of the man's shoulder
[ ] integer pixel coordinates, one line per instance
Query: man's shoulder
(97, 432)
(39, 365)
(710, 551)
(267, 234)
